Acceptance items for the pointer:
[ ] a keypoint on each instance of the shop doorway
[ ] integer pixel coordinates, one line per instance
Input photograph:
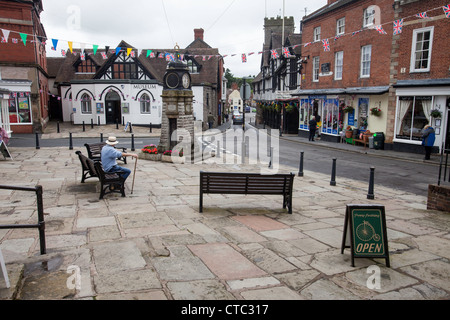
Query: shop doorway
(113, 110)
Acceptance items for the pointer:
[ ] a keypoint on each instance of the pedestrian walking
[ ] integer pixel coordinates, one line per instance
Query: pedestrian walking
(210, 120)
(312, 128)
(110, 155)
(428, 138)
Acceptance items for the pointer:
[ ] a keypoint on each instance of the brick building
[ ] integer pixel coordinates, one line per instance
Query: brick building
(23, 65)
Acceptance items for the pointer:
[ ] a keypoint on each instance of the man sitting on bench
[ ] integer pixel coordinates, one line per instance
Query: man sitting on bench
(110, 155)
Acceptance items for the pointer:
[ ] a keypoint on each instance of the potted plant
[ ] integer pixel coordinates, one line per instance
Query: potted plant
(375, 111)
(167, 156)
(435, 113)
(150, 152)
(349, 132)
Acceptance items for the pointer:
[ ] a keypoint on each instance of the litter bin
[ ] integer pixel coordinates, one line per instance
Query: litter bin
(378, 141)
(370, 142)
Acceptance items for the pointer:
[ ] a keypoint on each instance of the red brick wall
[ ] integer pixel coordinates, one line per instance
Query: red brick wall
(438, 198)
(351, 45)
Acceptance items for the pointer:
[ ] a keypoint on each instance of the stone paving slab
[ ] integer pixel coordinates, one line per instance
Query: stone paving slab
(155, 244)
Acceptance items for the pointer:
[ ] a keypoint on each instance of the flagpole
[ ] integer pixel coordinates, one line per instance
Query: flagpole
(282, 40)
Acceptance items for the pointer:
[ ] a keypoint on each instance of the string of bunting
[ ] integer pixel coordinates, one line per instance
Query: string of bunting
(170, 56)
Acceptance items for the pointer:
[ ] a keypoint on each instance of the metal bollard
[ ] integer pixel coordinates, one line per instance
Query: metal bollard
(151, 125)
(101, 137)
(300, 171)
(84, 127)
(92, 123)
(37, 141)
(333, 173)
(117, 124)
(132, 142)
(70, 142)
(98, 120)
(57, 127)
(370, 194)
(131, 127)
(271, 158)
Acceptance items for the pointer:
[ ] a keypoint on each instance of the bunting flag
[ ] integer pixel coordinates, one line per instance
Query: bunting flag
(398, 26)
(104, 55)
(286, 52)
(55, 43)
(244, 58)
(5, 35)
(446, 10)
(15, 41)
(170, 57)
(274, 54)
(149, 53)
(380, 30)
(326, 45)
(24, 38)
(118, 49)
(70, 43)
(63, 52)
(422, 15)
(337, 37)
(95, 47)
(4, 40)
(83, 56)
(355, 32)
(129, 51)
(106, 49)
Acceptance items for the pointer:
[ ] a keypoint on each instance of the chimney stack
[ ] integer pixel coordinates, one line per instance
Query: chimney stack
(198, 34)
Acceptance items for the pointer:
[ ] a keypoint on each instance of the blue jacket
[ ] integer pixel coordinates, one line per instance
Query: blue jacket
(428, 137)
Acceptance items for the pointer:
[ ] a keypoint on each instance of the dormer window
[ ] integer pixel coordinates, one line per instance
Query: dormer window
(86, 66)
(369, 17)
(193, 66)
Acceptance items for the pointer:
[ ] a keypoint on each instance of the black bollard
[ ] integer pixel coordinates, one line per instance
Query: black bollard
(57, 127)
(151, 127)
(84, 127)
(92, 123)
(132, 142)
(101, 137)
(131, 128)
(300, 171)
(37, 141)
(98, 120)
(123, 121)
(333, 174)
(70, 142)
(117, 124)
(370, 194)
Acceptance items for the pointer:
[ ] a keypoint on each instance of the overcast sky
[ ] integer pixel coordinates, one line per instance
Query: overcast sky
(232, 26)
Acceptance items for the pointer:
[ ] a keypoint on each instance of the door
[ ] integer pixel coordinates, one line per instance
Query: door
(113, 111)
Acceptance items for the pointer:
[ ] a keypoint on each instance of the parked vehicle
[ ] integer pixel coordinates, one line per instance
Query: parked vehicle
(238, 118)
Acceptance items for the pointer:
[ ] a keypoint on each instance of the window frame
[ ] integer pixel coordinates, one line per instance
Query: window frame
(86, 104)
(14, 102)
(316, 34)
(145, 105)
(367, 16)
(338, 33)
(336, 65)
(316, 69)
(362, 68)
(414, 50)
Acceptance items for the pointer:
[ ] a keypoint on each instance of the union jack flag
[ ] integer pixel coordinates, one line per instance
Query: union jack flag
(63, 52)
(422, 15)
(355, 32)
(326, 45)
(286, 52)
(4, 40)
(307, 44)
(104, 56)
(83, 56)
(380, 30)
(170, 57)
(398, 26)
(244, 58)
(446, 10)
(274, 54)
(15, 40)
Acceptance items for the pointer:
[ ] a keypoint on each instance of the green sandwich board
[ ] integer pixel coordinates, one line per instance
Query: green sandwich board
(365, 226)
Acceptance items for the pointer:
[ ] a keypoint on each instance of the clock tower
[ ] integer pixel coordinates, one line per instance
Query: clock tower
(177, 125)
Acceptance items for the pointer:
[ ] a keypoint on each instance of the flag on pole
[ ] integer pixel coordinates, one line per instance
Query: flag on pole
(398, 26)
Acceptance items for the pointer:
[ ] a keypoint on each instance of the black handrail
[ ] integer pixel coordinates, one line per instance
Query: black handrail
(443, 166)
(40, 208)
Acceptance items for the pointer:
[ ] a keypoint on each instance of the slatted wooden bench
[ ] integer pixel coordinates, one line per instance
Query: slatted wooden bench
(365, 139)
(94, 151)
(87, 167)
(110, 182)
(247, 184)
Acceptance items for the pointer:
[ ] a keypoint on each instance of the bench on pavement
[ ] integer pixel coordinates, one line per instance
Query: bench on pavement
(94, 151)
(110, 182)
(364, 139)
(247, 184)
(87, 166)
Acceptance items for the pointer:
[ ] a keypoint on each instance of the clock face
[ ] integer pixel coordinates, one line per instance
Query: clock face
(186, 81)
(172, 80)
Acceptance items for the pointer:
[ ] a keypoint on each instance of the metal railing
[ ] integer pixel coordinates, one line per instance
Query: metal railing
(444, 172)
(40, 209)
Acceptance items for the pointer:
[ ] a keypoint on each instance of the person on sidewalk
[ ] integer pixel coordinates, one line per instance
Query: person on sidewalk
(312, 128)
(428, 138)
(211, 120)
(109, 158)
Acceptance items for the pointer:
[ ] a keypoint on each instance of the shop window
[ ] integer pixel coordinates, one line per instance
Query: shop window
(19, 108)
(413, 114)
(332, 117)
(86, 104)
(145, 104)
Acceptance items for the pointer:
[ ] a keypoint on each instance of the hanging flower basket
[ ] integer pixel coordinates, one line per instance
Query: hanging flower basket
(436, 113)
(375, 112)
(348, 109)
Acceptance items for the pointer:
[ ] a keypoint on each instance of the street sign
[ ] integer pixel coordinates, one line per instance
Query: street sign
(245, 91)
(365, 225)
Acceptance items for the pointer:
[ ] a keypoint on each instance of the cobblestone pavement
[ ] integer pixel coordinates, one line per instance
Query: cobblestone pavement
(154, 244)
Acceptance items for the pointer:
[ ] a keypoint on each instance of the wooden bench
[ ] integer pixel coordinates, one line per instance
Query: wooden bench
(247, 183)
(87, 166)
(110, 182)
(94, 151)
(365, 139)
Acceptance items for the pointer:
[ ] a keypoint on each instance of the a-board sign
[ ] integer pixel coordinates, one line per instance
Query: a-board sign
(365, 226)
(4, 150)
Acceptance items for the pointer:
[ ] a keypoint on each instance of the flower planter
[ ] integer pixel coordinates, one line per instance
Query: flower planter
(151, 157)
(165, 158)
(349, 134)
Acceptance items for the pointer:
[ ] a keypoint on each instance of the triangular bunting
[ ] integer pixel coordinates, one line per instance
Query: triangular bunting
(70, 43)
(6, 34)
(95, 49)
(129, 51)
(55, 43)
(118, 49)
(24, 38)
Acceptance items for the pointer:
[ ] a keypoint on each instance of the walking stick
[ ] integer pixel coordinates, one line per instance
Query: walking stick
(134, 176)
